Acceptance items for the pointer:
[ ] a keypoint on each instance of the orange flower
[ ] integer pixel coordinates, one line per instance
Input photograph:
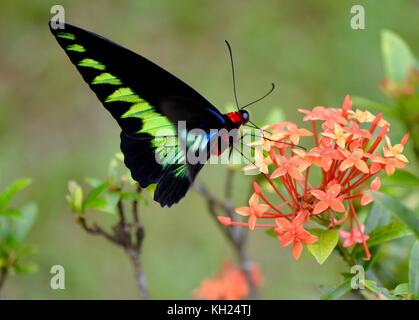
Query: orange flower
(266, 140)
(354, 159)
(293, 166)
(394, 151)
(328, 199)
(318, 113)
(338, 135)
(378, 162)
(291, 131)
(355, 236)
(357, 132)
(375, 185)
(388, 164)
(261, 163)
(347, 148)
(229, 284)
(365, 116)
(321, 156)
(329, 115)
(294, 232)
(253, 211)
(391, 164)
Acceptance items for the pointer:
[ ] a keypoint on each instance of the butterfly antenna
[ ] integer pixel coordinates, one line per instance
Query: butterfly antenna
(233, 73)
(263, 97)
(265, 138)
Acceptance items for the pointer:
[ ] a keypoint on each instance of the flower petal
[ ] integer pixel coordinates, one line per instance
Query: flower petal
(334, 190)
(320, 207)
(337, 205)
(226, 221)
(347, 163)
(286, 238)
(295, 138)
(366, 199)
(361, 165)
(243, 211)
(376, 184)
(306, 237)
(295, 173)
(318, 194)
(297, 249)
(278, 172)
(390, 169)
(283, 224)
(252, 222)
(261, 208)
(254, 200)
(344, 234)
(348, 242)
(358, 153)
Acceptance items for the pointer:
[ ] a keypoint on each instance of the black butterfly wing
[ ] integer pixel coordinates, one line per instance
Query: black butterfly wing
(147, 102)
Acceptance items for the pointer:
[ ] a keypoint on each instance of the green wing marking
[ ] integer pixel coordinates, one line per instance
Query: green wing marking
(91, 63)
(76, 47)
(106, 78)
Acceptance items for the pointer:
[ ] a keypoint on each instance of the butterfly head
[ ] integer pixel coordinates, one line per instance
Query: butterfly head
(244, 115)
(239, 118)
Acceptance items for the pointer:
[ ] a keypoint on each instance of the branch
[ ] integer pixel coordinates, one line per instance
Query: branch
(122, 237)
(4, 272)
(235, 235)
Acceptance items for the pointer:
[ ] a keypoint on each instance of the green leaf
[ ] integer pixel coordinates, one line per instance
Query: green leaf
(375, 107)
(339, 292)
(12, 189)
(373, 287)
(375, 254)
(271, 232)
(322, 249)
(94, 182)
(401, 178)
(75, 197)
(401, 290)
(377, 217)
(11, 213)
(106, 204)
(399, 210)
(397, 57)
(16, 230)
(25, 268)
(131, 196)
(94, 194)
(24, 224)
(414, 271)
(388, 232)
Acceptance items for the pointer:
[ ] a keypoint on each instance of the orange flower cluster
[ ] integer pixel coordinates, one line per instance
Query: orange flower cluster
(347, 152)
(229, 284)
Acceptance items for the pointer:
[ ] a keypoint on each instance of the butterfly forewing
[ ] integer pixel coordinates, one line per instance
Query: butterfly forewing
(147, 102)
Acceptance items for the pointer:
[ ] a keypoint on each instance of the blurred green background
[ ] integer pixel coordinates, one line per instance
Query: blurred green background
(53, 129)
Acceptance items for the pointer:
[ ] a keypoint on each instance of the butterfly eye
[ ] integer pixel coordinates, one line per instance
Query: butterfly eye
(245, 116)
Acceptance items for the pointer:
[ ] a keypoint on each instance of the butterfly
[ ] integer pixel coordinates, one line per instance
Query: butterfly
(145, 100)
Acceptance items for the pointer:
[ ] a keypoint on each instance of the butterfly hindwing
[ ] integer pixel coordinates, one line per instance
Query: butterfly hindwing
(145, 100)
